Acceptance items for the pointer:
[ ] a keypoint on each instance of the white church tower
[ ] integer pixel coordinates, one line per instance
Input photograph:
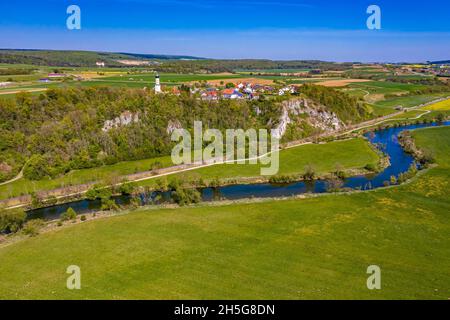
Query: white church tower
(157, 84)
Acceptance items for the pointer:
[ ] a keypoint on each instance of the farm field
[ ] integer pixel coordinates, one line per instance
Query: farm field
(439, 106)
(317, 248)
(410, 101)
(349, 154)
(172, 78)
(342, 82)
(247, 72)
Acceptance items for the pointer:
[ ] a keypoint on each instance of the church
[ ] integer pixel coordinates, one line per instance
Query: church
(157, 84)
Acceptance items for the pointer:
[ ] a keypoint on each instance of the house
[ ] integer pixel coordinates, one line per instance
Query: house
(231, 94)
(286, 90)
(210, 94)
(100, 64)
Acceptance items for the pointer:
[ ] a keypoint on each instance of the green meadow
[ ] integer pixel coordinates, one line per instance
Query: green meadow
(348, 154)
(322, 158)
(316, 248)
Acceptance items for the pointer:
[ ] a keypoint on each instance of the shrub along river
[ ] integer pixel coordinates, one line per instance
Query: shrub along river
(386, 140)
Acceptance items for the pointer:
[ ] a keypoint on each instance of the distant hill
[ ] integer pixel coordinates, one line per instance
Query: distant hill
(440, 62)
(62, 58)
(160, 56)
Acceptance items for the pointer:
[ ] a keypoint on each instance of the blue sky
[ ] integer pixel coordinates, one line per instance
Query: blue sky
(274, 29)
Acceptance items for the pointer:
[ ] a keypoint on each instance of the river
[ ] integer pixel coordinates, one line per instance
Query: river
(386, 140)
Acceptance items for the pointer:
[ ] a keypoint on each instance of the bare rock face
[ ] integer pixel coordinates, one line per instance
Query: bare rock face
(317, 116)
(285, 120)
(125, 119)
(172, 126)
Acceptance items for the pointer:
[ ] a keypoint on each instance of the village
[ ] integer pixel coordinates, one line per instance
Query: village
(234, 90)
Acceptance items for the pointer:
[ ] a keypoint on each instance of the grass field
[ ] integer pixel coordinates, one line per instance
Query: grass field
(349, 154)
(315, 248)
(24, 186)
(409, 115)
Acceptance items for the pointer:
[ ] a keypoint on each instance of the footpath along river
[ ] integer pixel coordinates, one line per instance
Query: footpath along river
(386, 140)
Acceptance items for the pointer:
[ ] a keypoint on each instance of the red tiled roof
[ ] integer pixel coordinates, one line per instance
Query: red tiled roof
(228, 91)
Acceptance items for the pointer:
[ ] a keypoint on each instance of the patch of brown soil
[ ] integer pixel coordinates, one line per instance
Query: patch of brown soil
(219, 82)
(341, 83)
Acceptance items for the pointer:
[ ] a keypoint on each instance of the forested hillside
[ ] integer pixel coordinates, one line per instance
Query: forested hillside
(74, 58)
(61, 130)
(349, 109)
(169, 63)
(74, 128)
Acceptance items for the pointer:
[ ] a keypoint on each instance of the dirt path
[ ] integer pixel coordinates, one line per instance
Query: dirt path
(18, 91)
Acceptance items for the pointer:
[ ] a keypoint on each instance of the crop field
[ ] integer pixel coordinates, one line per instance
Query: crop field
(440, 106)
(382, 87)
(172, 78)
(316, 248)
(348, 154)
(410, 101)
(263, 71)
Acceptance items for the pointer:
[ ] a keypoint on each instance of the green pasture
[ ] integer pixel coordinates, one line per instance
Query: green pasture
(316, 248)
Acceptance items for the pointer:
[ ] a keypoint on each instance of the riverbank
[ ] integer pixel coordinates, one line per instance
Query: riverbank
(399, 170)
(349, 154)
(56, 224)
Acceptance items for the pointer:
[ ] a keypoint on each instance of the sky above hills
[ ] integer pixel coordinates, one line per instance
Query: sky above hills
(275, 29)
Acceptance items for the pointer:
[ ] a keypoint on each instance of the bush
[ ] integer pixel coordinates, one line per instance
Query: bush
(36, 168)
(156, 166)
(393, 180)
(70, 214)
(12, 220)
(33, 227)
(215, 183)
(371, 167)
(309, 173)
(427, 157)
(127, 188)
(282, 179)
(108, 204)
(186, 196)
(36, 201)
(98, 192)
(83, 218)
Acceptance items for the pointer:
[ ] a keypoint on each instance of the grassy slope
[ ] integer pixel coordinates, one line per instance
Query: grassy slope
(294, 249)
(349, 154)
